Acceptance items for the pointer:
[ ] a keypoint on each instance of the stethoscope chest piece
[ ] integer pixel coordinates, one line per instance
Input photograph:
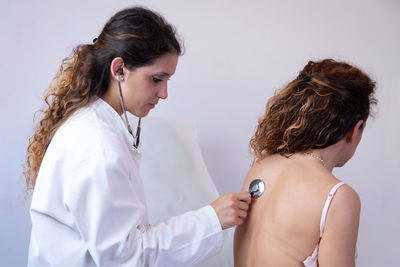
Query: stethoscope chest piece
(256, 188)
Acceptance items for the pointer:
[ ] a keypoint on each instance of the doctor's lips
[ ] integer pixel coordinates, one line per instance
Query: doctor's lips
(153, 103)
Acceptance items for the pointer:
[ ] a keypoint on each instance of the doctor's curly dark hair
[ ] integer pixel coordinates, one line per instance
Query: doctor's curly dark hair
(315, 110)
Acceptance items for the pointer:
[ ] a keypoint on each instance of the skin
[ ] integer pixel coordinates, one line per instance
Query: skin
(142, 88)
(282, 227)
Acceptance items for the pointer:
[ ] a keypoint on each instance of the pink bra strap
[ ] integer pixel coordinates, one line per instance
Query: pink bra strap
(326, 206)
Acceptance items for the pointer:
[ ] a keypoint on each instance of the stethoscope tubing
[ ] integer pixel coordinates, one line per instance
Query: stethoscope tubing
(128, 126)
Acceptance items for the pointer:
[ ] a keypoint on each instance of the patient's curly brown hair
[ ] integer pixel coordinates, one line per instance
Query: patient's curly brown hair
(315, 110)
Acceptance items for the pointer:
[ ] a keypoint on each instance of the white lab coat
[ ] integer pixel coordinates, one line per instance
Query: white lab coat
(88, 207)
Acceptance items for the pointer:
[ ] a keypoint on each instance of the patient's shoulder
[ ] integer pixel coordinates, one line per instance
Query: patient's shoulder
(346, 202)
(268, 164)
(260, 169)
(338, 242)
(292, 169)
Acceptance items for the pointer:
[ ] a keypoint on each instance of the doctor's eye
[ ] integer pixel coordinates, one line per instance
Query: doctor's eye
(157, 80)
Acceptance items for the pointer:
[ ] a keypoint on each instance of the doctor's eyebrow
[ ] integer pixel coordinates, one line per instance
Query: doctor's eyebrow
(163, 74)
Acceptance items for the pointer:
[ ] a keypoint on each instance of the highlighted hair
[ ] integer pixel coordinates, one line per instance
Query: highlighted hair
(315, 110)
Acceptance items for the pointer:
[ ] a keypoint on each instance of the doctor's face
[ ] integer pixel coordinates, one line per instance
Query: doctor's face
(143, 87)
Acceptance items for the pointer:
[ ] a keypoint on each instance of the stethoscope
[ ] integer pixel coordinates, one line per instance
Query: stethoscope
(256, 188)
(136, 138)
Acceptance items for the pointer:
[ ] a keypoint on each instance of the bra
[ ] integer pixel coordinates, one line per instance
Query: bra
(312, 261)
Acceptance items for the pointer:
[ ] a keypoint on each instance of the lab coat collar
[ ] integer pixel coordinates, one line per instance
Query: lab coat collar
(112, 117)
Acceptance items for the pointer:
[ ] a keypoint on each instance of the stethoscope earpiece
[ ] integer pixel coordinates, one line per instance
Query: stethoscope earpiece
(256, 188)
(120, 72)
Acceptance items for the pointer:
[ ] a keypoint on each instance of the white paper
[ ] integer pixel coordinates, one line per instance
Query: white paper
(175, 176)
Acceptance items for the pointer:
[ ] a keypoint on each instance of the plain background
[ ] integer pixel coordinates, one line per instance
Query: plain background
(237, 54)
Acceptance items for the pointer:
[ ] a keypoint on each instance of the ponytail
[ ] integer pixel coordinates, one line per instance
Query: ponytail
(69, 91)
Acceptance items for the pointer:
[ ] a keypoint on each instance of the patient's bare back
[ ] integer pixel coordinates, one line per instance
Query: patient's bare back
(282, 227)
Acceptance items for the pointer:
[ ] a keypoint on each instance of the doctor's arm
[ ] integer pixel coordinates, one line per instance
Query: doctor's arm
(108, 214)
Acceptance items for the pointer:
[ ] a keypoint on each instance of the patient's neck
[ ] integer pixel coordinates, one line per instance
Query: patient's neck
(332, 156)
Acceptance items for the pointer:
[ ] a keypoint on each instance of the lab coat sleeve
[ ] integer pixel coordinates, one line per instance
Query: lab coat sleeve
(103, 201)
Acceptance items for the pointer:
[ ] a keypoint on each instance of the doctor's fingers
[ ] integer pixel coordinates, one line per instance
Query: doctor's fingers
(241, 214)
(239, 220)
(243, 196)
(243, 205)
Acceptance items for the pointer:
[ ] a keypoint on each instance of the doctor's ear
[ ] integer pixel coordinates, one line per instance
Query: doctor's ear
(116, 68)
(357, 129)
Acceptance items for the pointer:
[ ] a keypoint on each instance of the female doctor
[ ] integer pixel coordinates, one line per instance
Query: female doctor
(88, 205)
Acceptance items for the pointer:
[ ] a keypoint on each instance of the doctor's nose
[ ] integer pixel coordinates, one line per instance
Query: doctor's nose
(163, 92)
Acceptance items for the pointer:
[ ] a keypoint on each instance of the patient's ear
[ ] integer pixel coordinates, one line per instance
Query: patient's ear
(356, 130)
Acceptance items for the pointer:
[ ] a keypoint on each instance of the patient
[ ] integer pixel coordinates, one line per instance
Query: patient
(306, 216)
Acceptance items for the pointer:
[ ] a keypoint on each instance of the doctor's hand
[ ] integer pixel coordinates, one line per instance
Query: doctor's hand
(232, 208)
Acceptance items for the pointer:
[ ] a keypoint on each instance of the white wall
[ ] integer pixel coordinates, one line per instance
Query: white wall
(237, 54)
